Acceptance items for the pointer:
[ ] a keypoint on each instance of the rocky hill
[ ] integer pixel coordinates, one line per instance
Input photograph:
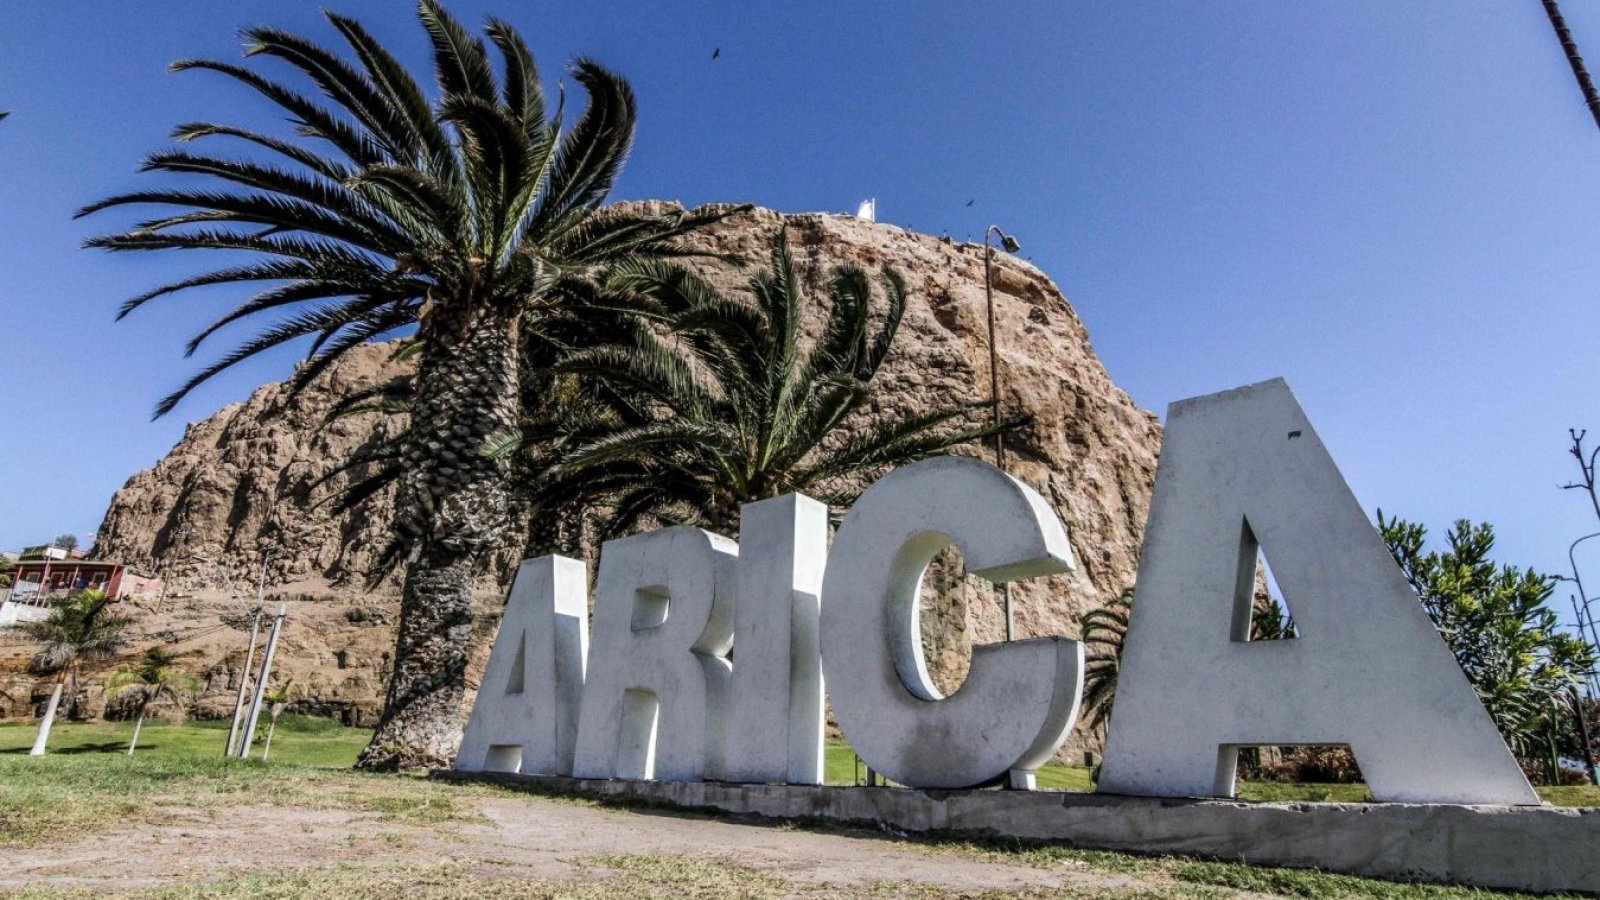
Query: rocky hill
(241, 483)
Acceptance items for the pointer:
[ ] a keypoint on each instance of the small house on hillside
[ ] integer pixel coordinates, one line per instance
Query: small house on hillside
(45, 573)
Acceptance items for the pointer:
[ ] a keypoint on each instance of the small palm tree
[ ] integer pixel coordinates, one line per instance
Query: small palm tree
(706, 401)
(1103, 632)
(464, 220)
(80, 628)
(278, 700)
(156, 676)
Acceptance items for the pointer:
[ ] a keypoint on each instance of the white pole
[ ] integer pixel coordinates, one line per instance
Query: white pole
(261, 682)
(244, 682)
(44, 578)
(43, 738)
(249, 660)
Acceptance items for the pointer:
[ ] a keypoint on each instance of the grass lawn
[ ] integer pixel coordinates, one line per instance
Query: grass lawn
(299, 739)
(87, 785)
(308, 741)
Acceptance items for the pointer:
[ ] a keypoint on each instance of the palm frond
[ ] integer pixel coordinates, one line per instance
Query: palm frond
(311, 118)
(590, 155)
(460, 60)
(344, 84)
(333, 170)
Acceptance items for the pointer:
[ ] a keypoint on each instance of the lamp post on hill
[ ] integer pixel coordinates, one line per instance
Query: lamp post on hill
(1577, 579)
(1583, 615)
(1010, 245)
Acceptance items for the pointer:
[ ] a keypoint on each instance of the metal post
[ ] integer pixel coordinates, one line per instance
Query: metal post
(994, 351)
(1583, 735)
(1593, 673)
(261, 682)
(1582, 612)
(994, 389)
(1577, 579)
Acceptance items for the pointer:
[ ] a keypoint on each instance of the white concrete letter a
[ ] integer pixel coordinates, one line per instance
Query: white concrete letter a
(1367, 669)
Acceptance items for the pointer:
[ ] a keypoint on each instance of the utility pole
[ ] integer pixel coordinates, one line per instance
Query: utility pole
(1011, 246)
(250, 654)
(249, 659)
(261, 682)
(244, 683)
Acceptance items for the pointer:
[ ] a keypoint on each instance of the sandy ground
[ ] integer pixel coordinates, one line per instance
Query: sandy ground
(513, 837)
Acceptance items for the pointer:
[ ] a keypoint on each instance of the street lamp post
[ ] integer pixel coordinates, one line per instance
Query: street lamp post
(1577, 617)
(1010, 245)
(1582, 609)
(1577, 579)
(1584, 615)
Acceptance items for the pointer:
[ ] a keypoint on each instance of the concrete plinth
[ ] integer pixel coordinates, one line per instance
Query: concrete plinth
(21, 614)
(1519, 847)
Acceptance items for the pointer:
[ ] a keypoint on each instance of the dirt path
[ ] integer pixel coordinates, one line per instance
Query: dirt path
(530, 842)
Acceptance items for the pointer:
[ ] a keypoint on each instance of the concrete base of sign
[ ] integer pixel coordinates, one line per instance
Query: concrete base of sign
(21, 614)
(1529, 848)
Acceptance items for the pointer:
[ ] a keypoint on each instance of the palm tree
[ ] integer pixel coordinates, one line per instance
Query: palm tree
(278, 700)
(1102, 632)
(1591, 97)
(467, 219)
(708, 401)
(155, 677)
(80, 628)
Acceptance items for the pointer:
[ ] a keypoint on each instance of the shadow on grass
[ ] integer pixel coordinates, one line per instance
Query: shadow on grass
(102, 747)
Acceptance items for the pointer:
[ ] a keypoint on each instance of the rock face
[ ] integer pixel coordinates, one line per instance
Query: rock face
(246, 480)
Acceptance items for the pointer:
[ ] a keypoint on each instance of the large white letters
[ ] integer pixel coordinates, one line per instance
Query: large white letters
(526, 715)
(657, 688)
(710, 656)
(1367, 669)
(1019, 700)
(775, 724)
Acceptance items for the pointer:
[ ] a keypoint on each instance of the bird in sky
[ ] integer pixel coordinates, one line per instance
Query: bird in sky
(972, 201)
(716, 53)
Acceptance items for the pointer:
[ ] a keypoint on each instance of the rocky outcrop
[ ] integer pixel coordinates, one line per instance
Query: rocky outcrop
(244, 482)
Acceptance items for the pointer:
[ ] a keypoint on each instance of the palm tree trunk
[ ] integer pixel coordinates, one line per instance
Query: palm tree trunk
(49, 717)
(1591, 97)
(134, 744)
(452, 507)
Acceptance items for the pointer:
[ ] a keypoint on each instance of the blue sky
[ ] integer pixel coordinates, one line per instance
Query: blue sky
(1394, 205)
